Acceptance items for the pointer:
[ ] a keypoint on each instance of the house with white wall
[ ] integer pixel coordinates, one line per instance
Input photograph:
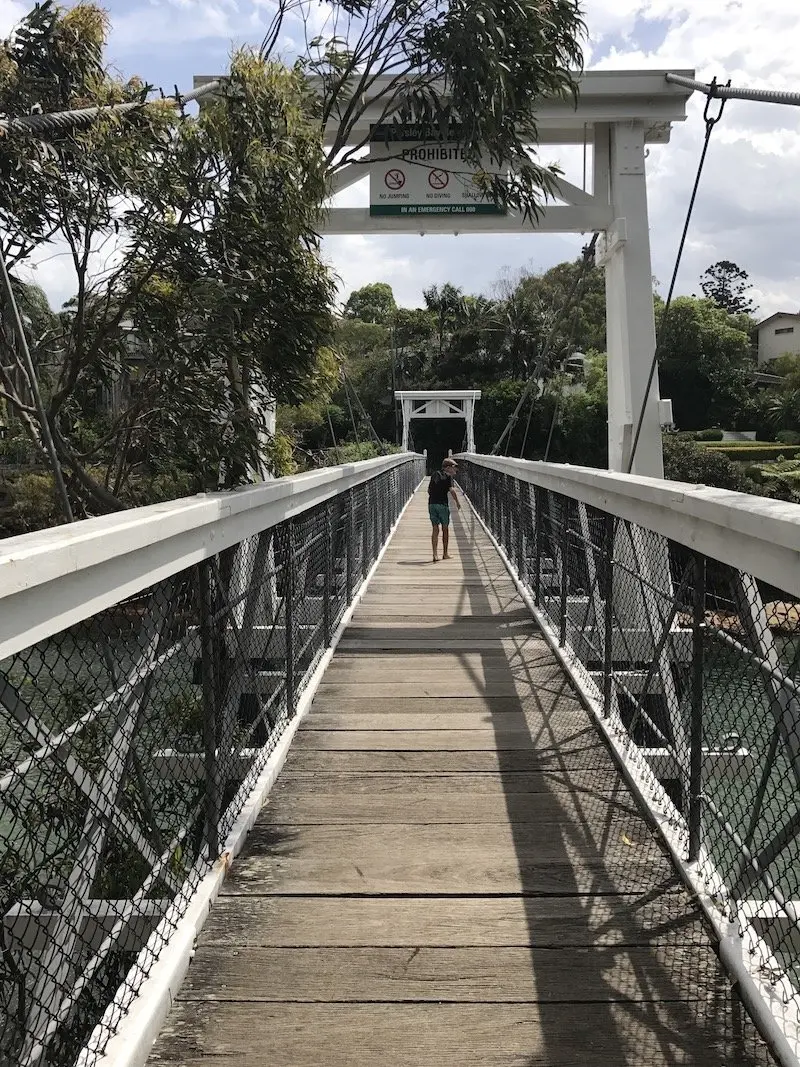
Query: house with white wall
(778, 334)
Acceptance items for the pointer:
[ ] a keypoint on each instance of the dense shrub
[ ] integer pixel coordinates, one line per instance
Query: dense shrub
(685, 461)
(752, 451)
(709, 435)
(30, 504)
(788, 437)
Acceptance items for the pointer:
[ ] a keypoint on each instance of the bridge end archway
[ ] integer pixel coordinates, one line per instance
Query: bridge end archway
(439, 404)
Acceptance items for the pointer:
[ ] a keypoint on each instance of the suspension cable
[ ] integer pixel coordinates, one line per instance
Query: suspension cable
(574, 294)
(729, 92)
(527, 428)
(367, 419)
(560, 393)
(710, 121)
(333, 435)
(57, 122)
(350, 407)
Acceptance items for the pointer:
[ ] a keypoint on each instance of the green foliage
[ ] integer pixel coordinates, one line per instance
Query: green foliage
(704, 364)
(353, 452)
(32, 504)
(788, 367)
(727, 285)
(685, 461)
(372, 303)
(780, 480)
(217, 298)
(494, 61)
(788, 437)
(582, 435)
(280, 455)
(783, 409)
(752, 451)
(709, 435)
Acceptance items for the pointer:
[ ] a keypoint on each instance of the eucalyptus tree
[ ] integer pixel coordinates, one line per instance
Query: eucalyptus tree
(194, 253)
(479, 66)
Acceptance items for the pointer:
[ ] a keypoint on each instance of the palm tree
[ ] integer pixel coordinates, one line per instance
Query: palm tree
(783, 409)
(446, 301)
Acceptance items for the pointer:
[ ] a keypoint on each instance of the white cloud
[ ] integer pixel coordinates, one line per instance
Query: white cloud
(175, 21)
(749, 197)
(11, 13)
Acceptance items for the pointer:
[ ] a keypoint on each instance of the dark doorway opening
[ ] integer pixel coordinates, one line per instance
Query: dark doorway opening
(438, 436)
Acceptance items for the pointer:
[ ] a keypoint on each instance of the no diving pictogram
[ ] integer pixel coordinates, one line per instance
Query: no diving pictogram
(394, 179)
(438, 179)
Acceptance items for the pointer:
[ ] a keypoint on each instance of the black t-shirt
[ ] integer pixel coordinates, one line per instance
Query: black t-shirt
(439, 487)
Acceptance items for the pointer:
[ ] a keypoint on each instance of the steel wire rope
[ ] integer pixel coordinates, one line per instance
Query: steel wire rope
(367, 418)
(527, 428)
(560, 393)
(350, 408)
(57, 122)
(710, 121)
(333, 435)
(730, 92)
(371, 429)
(576, 291)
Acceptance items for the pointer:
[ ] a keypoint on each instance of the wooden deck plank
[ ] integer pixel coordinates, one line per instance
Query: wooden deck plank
(449, 871)
(391, 858)
(583, 753)
(450, 1035)
(603, 780)
(356, 704)
(366, 718)
(414, 740)
(319, 808)
(263, 921)
(558, 974)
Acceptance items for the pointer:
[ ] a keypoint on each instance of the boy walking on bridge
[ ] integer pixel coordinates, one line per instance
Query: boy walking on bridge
(440, 489)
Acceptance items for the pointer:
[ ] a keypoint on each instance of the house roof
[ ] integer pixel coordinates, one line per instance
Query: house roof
(779, 315)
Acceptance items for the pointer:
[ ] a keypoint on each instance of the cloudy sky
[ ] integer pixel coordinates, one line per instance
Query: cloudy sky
(749, 206)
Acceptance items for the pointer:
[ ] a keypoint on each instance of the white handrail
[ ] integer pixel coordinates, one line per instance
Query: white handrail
(51, 579)
(756, 535)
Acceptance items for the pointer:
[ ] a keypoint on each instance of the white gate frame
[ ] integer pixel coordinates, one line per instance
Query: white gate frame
(439, 404)
(618, 114)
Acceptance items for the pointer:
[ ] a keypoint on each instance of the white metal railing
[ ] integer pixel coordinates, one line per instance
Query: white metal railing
(676, 610)
(153, 665)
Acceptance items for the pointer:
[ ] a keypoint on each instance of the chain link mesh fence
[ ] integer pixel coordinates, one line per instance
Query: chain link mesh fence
(130, 743)
(696, 666)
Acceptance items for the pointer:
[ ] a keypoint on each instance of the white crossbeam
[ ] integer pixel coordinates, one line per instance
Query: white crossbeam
(555, 218)
(54, 578)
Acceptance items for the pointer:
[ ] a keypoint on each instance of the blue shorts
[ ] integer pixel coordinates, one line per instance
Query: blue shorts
(440, 514)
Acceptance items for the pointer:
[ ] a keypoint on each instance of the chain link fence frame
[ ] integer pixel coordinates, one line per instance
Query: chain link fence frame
(693, 667)
(132, 739)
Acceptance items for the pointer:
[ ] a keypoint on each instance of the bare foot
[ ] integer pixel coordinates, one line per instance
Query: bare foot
(446, 556)
(435, 559)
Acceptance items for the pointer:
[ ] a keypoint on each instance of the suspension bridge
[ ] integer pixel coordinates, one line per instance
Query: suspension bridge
(277, 788)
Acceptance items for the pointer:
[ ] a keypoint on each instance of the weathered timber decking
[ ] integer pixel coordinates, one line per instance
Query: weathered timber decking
(449, 871)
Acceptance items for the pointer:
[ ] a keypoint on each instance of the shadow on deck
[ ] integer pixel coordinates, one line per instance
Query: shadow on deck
(449, 870)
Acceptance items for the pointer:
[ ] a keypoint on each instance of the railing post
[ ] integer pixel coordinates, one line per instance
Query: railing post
(329, 565)
(209, 668)
(696, 724)
(289, 618)
(505, 503)
(350, 542)
(538, 495)
(609, 530)
(563, 551)
(518, 546)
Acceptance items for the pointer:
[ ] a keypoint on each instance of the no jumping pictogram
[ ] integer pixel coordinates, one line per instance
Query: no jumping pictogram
(394, 179)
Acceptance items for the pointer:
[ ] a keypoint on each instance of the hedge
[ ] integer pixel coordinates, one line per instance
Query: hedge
(753, 451)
